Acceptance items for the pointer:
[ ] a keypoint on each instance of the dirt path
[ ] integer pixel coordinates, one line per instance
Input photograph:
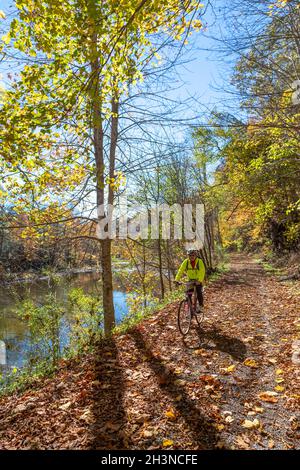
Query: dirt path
(231, 384)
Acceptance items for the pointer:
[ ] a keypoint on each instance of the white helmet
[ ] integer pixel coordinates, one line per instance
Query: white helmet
(191, 251)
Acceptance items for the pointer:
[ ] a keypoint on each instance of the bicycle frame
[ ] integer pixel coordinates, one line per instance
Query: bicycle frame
(184, 318)
(191, 297)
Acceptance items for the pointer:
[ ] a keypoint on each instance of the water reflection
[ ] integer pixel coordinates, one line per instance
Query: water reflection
(15, 333)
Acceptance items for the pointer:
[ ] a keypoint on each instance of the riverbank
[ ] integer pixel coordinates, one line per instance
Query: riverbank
(18, 278)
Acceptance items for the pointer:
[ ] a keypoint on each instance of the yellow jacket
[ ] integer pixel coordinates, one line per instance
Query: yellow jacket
(197, 274)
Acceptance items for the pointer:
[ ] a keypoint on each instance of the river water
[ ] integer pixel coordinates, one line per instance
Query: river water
(14, 333)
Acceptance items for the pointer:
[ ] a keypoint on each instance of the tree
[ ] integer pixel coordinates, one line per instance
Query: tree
(84, 58)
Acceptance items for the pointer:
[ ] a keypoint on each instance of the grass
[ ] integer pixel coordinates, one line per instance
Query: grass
(22, 379)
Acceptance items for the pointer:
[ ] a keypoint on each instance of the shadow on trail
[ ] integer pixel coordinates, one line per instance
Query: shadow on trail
(227, 344)
(108, 416)
(203, 433)
(236, 280)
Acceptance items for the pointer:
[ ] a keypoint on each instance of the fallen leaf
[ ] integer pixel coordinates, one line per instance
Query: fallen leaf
(86, 416)
(279, 388)
(147, 433)
(271, 444)
(268, 396)
(219, 427)
(168, 443)
(141, 418)
(65, 406)
(242, 442)
(170, 414)
(229, 419)
(251, 424)
(96, 383)
(279, 371)
(20, 408)
(258, 409)
(228, 369)
(250, 363)
(197, 352)
(180, 382)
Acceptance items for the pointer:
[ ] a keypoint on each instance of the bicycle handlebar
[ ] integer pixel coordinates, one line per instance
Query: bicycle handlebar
(188, 282)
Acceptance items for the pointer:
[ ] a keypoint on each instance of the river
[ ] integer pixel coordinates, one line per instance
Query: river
(14, 332)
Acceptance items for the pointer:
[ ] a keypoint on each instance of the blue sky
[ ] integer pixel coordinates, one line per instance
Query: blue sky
(203, 77)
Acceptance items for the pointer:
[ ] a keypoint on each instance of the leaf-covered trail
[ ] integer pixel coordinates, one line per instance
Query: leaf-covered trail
(234, 383)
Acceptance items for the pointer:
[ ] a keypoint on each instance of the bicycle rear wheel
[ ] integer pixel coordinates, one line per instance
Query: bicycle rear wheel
(184, 317)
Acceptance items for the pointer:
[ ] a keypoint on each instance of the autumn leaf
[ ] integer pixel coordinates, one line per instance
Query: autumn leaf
(207, 379)
(229, 369)
(271, 444)
(251, 424)
(168, 443)
(180, 382)
(250, 363)
(87, 417)
(219, 427)
(258, 409)
(170, 414)
(229, 419)
(147, 433)
(268, 396)
(198, 352)
(242, 442)
(65, 406)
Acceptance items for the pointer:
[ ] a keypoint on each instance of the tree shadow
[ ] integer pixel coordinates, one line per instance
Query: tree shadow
(201, 428)
(221, 342)
(108, 389)
(235, 280)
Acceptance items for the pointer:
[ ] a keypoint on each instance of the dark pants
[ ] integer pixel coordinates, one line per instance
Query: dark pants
(199, 293)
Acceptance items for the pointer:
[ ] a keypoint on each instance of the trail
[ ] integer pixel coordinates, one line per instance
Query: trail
(231, 384)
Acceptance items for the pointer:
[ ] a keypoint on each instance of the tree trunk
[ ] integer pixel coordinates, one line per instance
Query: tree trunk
(162, 287)
(107, 287)
(169, 264)
(144, 276)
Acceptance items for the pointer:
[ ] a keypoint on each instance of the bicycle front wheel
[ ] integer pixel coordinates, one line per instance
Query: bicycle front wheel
(184, 317)
(200, 316)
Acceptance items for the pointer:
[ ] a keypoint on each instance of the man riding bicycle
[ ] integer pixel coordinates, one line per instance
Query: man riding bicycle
(194, 269)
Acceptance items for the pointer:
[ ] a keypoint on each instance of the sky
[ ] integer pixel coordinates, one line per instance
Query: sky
(203, 77)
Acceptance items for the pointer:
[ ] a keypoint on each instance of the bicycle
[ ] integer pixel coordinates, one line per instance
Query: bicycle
(188, 310)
